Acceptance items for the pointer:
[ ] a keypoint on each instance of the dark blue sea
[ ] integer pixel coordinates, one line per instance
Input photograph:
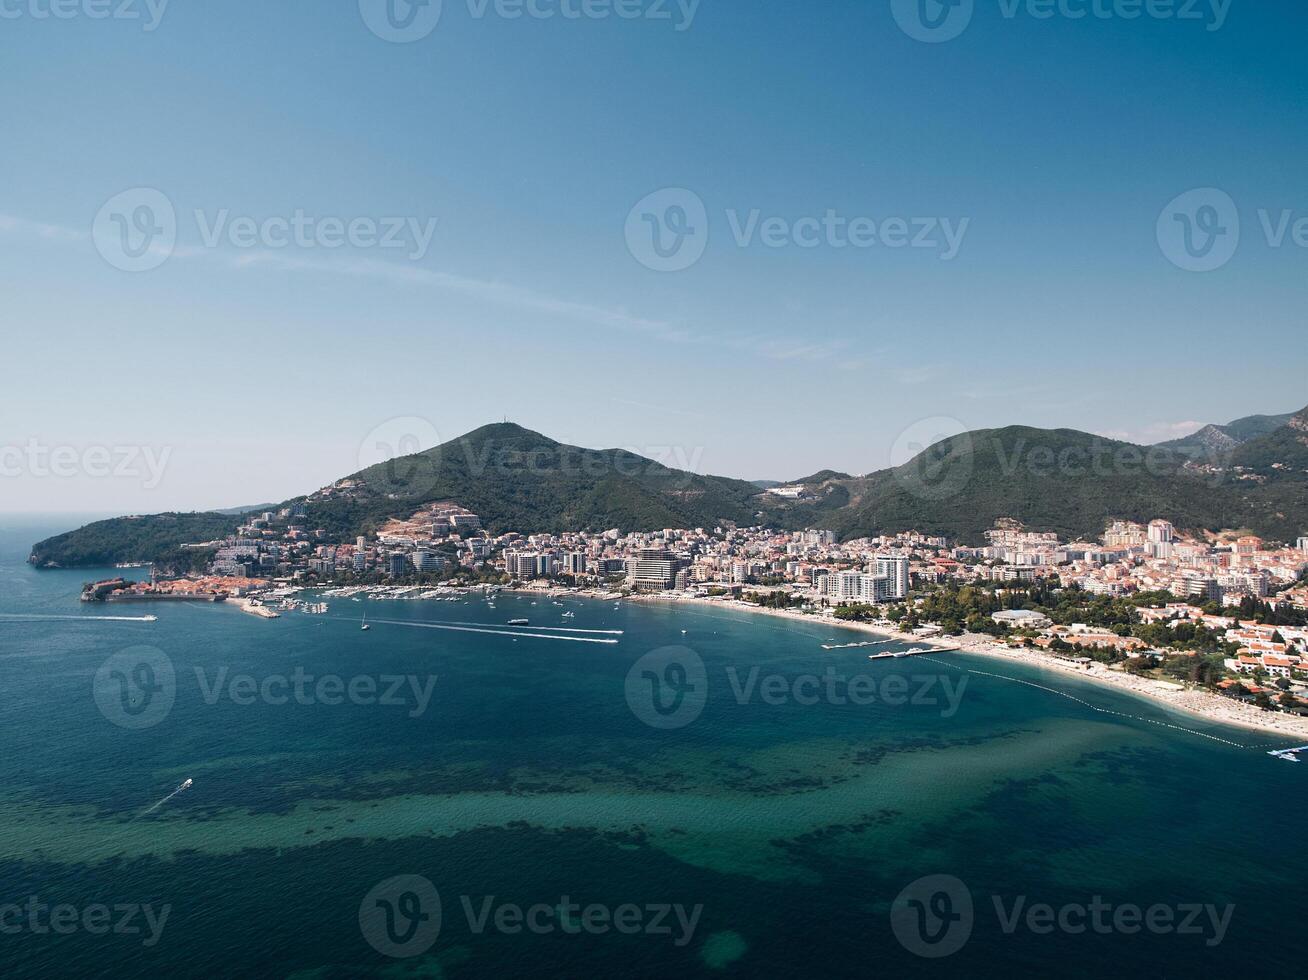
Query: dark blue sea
(712, 795)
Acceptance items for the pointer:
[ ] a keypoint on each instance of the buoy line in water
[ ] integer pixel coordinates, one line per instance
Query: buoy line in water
(1095, 707)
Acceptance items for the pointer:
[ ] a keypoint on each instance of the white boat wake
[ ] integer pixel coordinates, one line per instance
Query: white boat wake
(185, 786)
(40, 618)
(495, 632)
(549, 629)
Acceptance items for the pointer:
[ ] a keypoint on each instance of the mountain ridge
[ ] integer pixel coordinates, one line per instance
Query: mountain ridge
(517, 478)
(514, 478)
(1218, 440)
(1285, 448)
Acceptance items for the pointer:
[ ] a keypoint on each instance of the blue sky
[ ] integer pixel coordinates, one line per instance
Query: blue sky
(261, 372)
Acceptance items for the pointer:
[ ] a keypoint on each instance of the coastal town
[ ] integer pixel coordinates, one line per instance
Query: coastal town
(653, 488)
(1224, 613)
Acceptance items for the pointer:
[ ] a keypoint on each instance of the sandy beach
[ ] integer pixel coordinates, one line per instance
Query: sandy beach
(1190, 701)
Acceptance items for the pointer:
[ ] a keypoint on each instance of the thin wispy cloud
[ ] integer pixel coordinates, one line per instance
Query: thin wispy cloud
(486, 290)
(783, 350)
(1154, 432)
(11, 224)
(662, 409)
(918, 374)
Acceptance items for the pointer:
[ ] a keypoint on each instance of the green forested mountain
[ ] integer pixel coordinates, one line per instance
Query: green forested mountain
(515, 479)
(1220, 440)
(1053, 480)
(822, 476)
(1056, 480)
(1284, 450)
(520, 480)
(153, 538)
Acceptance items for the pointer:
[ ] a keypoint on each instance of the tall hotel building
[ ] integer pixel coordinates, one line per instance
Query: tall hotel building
(653, 570)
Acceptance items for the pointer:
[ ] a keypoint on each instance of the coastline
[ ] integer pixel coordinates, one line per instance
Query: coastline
(1197, 703)
(1192, 702)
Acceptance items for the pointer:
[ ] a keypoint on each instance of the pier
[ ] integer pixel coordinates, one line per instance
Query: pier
(255, 608)
(1289, 755)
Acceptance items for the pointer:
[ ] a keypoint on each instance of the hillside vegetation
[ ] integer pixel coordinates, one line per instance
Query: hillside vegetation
(1058, 480)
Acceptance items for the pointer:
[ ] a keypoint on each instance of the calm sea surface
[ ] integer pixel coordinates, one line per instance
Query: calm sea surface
(329, 835)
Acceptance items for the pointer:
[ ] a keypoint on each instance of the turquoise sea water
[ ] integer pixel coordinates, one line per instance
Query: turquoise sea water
(529, 775)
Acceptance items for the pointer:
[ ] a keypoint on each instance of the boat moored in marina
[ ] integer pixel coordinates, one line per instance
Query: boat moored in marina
(901, 654)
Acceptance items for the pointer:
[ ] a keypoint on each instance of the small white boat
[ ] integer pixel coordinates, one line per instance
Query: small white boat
(364, 627)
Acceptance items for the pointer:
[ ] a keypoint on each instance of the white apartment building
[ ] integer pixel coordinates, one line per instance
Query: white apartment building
(427, 561)
(1161, 532)
(857, 587)
(842, 585)
(894, 568)
(526, 565)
